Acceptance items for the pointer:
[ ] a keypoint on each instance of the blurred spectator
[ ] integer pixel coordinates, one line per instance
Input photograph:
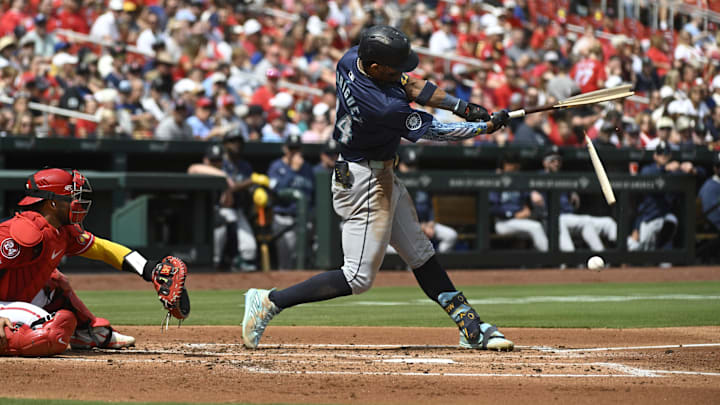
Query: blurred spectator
(511, 210)
(175, 126)
(530, 132)
(278, 128)
(202, 123)
(264, 93)
(43, 41)
(290, 172)
(320, 129)
(443, 40)
(105, 26)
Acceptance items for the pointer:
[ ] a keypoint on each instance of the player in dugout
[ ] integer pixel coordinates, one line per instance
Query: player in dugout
(40, 313)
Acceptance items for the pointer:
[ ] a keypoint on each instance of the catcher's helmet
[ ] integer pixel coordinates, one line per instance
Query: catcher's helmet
(59, 184)
(387, 46)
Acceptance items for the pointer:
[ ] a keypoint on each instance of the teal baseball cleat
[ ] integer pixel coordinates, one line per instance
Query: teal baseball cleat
(259, 310)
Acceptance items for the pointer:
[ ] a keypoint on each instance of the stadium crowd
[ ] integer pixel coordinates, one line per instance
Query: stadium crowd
(201, 69)
(234, 72)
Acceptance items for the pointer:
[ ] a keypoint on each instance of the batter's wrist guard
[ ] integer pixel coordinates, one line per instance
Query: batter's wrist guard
(465, 317)
(426, 93)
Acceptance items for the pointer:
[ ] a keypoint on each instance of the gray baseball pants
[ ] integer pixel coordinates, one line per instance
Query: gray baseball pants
(377, 210)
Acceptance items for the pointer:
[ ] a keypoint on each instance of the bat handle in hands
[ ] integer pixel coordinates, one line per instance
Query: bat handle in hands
(517, 114)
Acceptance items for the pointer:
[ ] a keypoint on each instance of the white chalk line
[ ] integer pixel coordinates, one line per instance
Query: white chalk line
(535, 300)
(547, 349)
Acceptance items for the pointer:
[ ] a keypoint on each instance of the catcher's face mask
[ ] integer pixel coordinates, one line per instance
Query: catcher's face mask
(63, 185)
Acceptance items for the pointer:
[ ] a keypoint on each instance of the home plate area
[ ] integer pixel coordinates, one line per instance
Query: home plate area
(382, 365)
(417, 360)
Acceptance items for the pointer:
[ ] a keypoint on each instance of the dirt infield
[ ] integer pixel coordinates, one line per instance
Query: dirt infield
(376, 365)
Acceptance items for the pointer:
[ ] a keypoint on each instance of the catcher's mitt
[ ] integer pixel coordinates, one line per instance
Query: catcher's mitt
(168, 278)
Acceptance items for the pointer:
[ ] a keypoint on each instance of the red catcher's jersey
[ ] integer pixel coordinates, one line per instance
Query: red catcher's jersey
(24, 270)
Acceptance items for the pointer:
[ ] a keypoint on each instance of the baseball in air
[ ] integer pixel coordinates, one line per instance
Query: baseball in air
(595, 263)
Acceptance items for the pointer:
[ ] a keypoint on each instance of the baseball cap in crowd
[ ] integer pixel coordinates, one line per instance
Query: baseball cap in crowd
(116, 5)
(666, 92)
(6, 41)
(185, 15)
(204, 102)
(40, 19)
(665, 122)
(214, 153)
(293, 141)
(251, 26)
(124, 86)
(663, 148)
(553, 152)
(225, 100)
(320, 109)
(387, 46)
(683, 123)
(272, 73)
(631, 128)
(608, 127)
(63, 58)
(281, 100)
(551, 56)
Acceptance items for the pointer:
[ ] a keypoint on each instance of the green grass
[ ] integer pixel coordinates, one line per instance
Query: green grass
(551, 306)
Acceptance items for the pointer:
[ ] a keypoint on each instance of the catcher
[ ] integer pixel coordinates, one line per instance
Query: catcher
(32, 244)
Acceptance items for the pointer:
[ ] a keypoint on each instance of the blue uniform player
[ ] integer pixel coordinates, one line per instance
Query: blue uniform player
(290, 171)
(373, 113)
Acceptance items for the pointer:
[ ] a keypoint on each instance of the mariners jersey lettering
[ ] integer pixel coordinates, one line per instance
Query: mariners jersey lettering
(372, 116)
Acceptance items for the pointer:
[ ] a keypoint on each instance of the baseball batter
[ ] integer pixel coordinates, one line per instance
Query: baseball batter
(40, 313)
(373, 113)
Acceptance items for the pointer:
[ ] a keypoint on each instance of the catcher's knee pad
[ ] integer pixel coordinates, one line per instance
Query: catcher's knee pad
(46, 339)
(465, 317)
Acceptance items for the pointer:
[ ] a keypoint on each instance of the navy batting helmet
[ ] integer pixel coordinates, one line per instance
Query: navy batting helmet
(387, 46)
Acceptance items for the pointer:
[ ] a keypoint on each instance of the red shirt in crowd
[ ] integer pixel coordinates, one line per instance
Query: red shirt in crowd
(69, 21)
(10, 20)
(658, 56)
(589, 74)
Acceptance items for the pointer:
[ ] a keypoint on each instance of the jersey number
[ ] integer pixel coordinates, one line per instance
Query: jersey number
(344, 125)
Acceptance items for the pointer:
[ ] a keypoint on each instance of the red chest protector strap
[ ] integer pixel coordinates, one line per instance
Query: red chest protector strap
(28, 228)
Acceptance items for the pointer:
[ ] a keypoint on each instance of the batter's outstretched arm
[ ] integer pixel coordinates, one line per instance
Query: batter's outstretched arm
(456, 131)
(427, 93)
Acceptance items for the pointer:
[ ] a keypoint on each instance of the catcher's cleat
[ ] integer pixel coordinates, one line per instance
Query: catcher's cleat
(490, 339)
(259, 310)
(103, 337)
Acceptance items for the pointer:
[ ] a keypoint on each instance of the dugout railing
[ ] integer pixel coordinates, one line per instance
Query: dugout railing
(156, 213)
(480, 254)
